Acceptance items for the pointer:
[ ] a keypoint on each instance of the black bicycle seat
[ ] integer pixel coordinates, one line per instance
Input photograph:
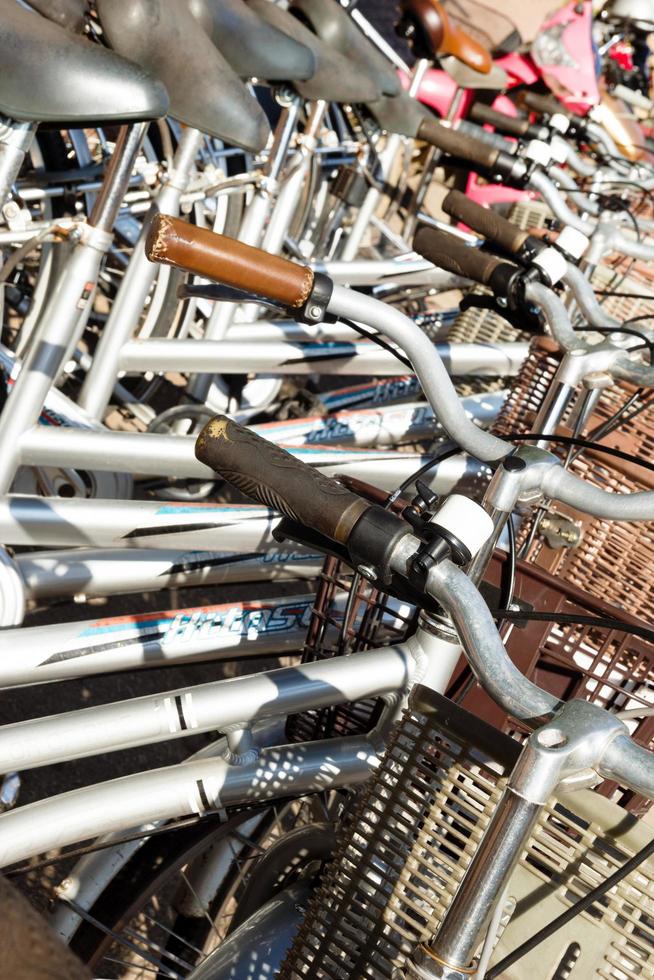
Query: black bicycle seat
(335, 79)
(252, 46)
(205, 93)
(52, 76)
(70, 14)
(335, 27)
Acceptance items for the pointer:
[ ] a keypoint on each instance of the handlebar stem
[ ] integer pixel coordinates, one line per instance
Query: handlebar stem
(567, 749)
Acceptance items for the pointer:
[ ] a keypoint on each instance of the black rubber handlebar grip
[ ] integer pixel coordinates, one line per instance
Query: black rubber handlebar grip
(485, 222)
(457, 144)
(513, 125)
(450, 253)
(546, 105)
(274, 478)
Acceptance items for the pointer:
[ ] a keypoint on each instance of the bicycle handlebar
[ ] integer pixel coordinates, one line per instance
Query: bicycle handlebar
(457, 144)
(623, 759)
(274, 478)
(212, 256)
(548, 105)
(450, 253)
(486, 222)
(512, 125)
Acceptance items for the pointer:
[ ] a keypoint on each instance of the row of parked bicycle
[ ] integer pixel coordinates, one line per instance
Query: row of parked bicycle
(282, 310)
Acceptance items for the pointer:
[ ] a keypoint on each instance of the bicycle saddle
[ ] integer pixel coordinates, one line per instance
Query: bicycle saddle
(434, 34)
(67, 13)
(335, 79)
(335, 27)
(51, 76)
(252, 46)
(399, 114)
(205, 93)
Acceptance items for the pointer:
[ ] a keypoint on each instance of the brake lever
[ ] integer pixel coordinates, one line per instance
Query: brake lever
(521, 318)
(225, 294)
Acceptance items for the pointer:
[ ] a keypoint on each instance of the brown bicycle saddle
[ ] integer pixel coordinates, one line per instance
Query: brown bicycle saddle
(435, 34)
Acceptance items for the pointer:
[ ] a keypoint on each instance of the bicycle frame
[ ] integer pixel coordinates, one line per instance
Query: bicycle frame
(276, 773)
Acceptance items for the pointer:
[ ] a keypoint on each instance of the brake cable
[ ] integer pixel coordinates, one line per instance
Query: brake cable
(582, 905)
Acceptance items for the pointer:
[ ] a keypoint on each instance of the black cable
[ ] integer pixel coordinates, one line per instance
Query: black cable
(447, 450)
(584, 443)
(576, 619)
(606, 200)
(620, 416)
(647, 342)
(612, 292)
(378, 339)
(582, 905)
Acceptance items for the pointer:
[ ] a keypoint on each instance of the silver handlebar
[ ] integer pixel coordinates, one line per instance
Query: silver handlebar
(442, 396)
(621, 759)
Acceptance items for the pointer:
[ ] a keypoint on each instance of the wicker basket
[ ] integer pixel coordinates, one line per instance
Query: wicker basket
(349, 615)
(612, 560)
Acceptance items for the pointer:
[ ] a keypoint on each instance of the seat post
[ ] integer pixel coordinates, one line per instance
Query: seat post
(254, 222)
(136, 284)
(66, 312)
(15, 140)
(116, 181)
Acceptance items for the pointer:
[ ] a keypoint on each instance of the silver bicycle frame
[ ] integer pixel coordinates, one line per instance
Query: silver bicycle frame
(277, 771)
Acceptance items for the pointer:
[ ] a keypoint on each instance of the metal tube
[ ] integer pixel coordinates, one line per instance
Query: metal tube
(483, 883)
(405, 270)
(117, 176)
(285, 357)
(90, 572)
(61, 321)
(630, 765)
(283, 135)
(552, 196)
(484, 649)
(555, 315)
(154, 454)
(202, 708)
(552, 410)
(190, 789)
(135, 286)
(229, 631)
(584, 294)
(569, 489)
(434, 377)
(386, 159)
(59, 522)
(15, 141)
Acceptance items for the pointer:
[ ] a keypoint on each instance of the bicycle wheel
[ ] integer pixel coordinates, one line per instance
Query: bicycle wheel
(151, 920)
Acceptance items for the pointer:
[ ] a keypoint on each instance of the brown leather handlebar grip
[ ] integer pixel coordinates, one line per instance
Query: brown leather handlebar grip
(512, 125)
(452, 254)
(457, 144)
(485, 221)
(225, 260)
(270, 475)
